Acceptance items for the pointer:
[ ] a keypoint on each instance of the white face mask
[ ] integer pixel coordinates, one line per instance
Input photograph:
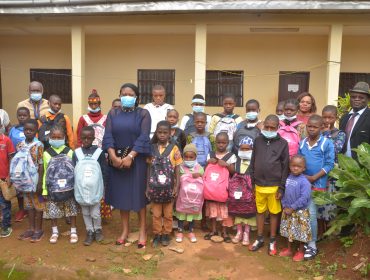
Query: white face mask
(290, 118)
(251, 116)
(247, 155)
(190, 163)
(281, 117)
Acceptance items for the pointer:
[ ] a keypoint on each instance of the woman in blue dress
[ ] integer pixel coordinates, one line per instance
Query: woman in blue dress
(127, 141)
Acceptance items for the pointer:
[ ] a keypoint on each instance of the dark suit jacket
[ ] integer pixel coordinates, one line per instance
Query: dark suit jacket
(360, 132)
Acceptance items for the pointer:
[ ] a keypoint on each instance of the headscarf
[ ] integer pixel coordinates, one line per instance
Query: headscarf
(246, 141)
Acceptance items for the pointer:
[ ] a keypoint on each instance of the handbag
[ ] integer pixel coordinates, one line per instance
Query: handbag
(120, 153)
(7, 190)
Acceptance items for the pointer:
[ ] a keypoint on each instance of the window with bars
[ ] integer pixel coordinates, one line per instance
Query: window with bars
(148, 78)
(54, 81)
(219, 83)
(348, 80)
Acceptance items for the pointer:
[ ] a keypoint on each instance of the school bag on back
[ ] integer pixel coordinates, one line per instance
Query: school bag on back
(46, 124)
(226, 124)
(244, 131)
(216, 181)
(23, 172)
(190, 198)
(89, 185)
(161, 176)
(60, 175)
(98, 128)
(291, 135)
(203, 145)
(241, 201)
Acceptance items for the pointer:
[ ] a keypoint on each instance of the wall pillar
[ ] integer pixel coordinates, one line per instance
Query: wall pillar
(333, 64)
(78, 71)
(200, 59)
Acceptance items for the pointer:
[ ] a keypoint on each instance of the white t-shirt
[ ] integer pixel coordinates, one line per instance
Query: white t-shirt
(186, 118)
(4, 118)
(157, 113)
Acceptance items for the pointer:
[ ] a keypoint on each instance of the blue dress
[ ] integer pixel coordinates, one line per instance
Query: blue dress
(126, 187)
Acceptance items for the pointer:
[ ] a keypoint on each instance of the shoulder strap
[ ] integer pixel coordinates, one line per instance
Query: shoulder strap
(156, 150)
(58, 117)
(102, 120)
(51, 152)
(235, 116)
(190, 116)
(219, 115)
(227, 156)
(96, 154)
(238, 165)
(65, 150)
(87, 119)
(212, 154)
(177, 132)
(44, 119)
(79, 154)
(168, 150)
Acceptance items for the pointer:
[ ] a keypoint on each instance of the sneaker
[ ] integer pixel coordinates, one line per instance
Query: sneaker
(285, 253)
(245, 241)
(37, 236)
(20, 215)
(99, 237)
(165, 240)
(179, 237)
(272, 250)
(192, 237)
(156, 240)
(89, 238)
(6, 232)
(298, 257)
(237, 238)
(256, 245)
(310, 253)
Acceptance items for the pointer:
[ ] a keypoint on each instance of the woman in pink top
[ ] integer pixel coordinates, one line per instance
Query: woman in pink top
(307, 107)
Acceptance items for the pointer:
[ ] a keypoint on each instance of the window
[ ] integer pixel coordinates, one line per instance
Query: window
(148, 78)
(221, 82)
(54, 81)
(348, 80)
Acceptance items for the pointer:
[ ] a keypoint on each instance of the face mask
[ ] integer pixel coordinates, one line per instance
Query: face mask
(174, 126)
(281, 117)
(36, 96)
(245, 155)
(251, 116)
(56, 143)
(128, 101)
(93, 110)
(198, 109)
(269, 134)
(53, 112)
(289, 118)
(2, 130)
(190, 163)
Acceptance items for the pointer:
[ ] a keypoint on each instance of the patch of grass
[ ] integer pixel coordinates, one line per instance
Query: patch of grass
(347, 241)
(83, 273)
(116, 269)
(208, 258)
(12, 273)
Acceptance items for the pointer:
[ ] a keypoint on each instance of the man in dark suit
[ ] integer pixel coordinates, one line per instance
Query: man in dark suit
(356, 123)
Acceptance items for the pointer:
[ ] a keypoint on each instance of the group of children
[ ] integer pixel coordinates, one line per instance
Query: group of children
(222, 169)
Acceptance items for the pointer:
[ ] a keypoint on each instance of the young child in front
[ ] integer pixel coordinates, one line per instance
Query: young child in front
(177, 134)
(16, 134)
(319, 153)
(34, 202)
(269, 171)
(6, 152)
(91, 213)
(192, 167)
(162, 204)
(242, 203)
(59, 209)
(217, 211)
(295, 219)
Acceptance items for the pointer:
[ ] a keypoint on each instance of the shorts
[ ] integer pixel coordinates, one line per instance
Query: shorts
(57, 210)
(33, 201)
(265, 200)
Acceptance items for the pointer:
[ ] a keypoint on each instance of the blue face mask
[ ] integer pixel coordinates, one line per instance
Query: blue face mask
(96, 110)
(251, 116)
(51, 111)
(190, 163)
(35, 96)
(56, 143)
(198, 109)
(128, 101)
(269, 134)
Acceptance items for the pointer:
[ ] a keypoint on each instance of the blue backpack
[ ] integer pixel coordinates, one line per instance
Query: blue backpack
(23, 172)
(89, 184)
(60, 175)
(203, 145)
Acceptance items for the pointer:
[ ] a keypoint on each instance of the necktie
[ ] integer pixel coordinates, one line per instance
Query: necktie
(350, 124)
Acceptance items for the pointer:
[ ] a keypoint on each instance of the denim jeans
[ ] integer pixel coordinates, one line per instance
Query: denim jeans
(5, 207)
(312, 208)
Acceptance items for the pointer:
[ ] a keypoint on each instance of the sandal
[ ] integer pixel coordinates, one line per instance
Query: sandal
(37, 236)
(226, 238)
(209, 235)
(74, 238)
(121, 242)
(26, 235)
(256, 245)
(179, 237)
(141, 245)
(310, 253)
(54, 238)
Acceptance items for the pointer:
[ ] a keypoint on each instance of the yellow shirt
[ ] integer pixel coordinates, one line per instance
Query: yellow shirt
(175, 155)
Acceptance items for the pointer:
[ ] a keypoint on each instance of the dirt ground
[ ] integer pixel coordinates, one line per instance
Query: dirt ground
(202, 260)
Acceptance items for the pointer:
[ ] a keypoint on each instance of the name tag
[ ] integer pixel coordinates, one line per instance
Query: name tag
(162, 178)
(192, 187)
(88, 173)
(214, 176)
(238, 195)
(47, 132)
(21, 135)
(62, 183)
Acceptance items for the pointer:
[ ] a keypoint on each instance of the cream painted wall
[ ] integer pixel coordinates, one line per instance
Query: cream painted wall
(356, 54)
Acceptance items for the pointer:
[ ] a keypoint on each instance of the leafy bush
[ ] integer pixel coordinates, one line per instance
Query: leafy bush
(344, 105)
(353, 195)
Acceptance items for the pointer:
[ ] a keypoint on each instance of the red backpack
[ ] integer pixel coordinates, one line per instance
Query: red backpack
(291, 135)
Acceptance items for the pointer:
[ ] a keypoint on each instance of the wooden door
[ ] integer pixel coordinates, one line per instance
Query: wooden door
(293, 84)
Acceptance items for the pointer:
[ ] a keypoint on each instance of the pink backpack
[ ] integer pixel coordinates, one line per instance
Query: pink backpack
(216, 181)
(99, 129)
(291, 135)
(190, 198)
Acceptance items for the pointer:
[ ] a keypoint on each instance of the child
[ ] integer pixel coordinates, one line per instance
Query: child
(163, 182)
(295, 219)
(6, 152)
(116, 104)
(251, 126)
(198, 105)
(177, 134)
(33, 201)
(269, 171)
(91, 213)
(158, 108)
(16, 134)
(226, 121)
(217, 211)
(192, 168)
(59, 171)
(338, 137)
(55, 116)
(319, 154)
(280, 110)
(292, 130)
(242, 203)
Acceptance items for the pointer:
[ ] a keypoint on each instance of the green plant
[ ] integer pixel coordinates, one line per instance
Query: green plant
(344, 105)
(353, 195)
(347, 241)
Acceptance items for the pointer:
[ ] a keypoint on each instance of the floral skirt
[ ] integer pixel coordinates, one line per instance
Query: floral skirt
(57, 210)
(296, 226)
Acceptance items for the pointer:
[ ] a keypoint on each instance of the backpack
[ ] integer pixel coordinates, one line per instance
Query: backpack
(175, 138)
(226, 124)
(190, 198)
(89, 185)
(244, 131)
(60, 175)
(216, 181)
(23, 172)
(241, 201)
(291, 135)
(161, 176)
(98, 127)
(46, 125)
(203, 145)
